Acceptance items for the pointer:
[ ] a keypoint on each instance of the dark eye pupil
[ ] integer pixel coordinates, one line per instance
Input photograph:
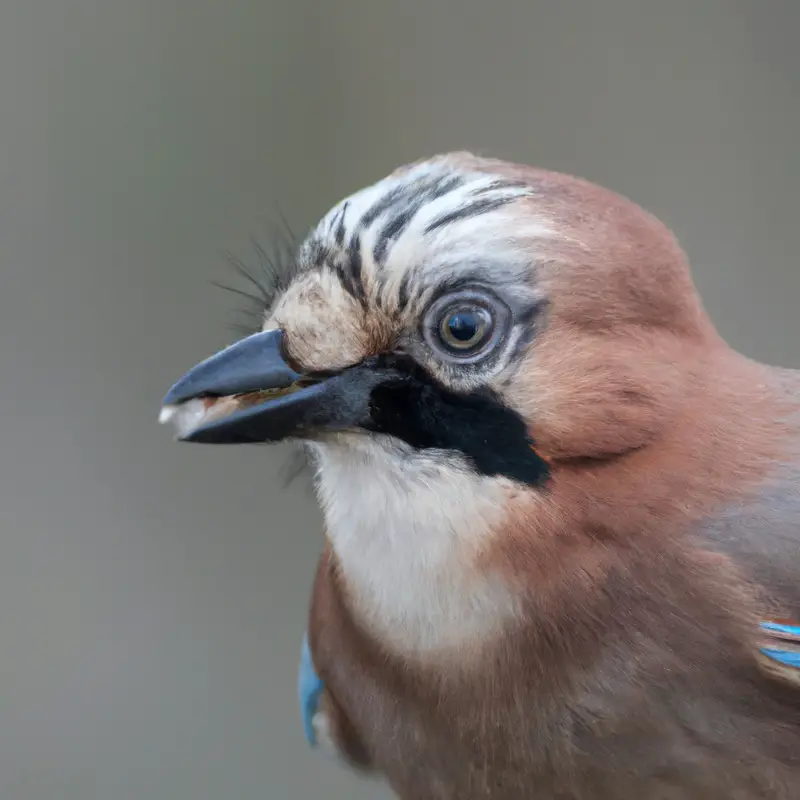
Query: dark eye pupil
(463, 326)
(459, 328)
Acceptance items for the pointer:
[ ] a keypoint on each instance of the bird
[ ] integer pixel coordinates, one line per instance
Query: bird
(561, 512)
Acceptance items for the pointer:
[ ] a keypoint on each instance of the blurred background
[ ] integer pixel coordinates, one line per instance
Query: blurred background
(153, 595)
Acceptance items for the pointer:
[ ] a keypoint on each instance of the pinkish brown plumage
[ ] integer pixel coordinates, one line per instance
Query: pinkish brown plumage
(551, 547)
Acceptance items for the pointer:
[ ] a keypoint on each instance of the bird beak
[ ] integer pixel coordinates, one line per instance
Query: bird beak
(248, 393)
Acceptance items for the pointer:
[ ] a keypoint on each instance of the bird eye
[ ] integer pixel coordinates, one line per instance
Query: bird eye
(465, 329)
(465, 326)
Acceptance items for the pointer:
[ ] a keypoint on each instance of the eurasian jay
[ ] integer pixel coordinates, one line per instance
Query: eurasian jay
(562, 515)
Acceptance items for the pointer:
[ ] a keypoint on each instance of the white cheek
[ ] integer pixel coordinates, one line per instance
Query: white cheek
(406, 529)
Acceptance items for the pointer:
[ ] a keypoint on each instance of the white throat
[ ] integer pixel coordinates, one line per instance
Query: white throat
(407, 530)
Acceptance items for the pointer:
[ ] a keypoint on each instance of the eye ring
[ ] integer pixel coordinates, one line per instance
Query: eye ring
(465, 326)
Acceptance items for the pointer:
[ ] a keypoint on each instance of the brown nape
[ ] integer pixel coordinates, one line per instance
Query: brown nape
(625, 337)
(713, 448)
(650, 422)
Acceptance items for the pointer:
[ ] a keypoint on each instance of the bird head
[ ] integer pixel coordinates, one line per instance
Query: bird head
(514, 399)
(497, 316)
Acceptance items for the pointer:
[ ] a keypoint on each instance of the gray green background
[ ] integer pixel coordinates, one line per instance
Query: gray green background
(152, 595)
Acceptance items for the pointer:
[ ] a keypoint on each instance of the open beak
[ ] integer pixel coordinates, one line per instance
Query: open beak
(248, 393)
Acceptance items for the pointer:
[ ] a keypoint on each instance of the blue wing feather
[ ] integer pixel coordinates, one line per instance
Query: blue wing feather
(780, 650)
(786, 657)
(309, 689)
(780, 628)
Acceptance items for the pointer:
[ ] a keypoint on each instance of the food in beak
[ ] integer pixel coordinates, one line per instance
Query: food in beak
(196, 412)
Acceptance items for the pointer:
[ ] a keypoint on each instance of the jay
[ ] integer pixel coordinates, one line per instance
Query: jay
(562, 514)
